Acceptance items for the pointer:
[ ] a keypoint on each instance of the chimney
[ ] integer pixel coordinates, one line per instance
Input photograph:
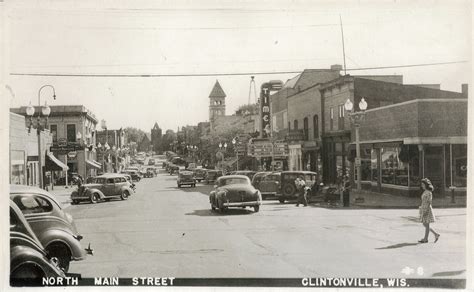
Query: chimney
(464, 89)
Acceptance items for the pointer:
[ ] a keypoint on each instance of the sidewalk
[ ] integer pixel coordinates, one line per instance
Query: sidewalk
(386, 201)
(63, 194)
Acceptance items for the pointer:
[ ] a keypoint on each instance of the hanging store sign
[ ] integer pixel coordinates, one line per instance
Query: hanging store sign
(265, 111)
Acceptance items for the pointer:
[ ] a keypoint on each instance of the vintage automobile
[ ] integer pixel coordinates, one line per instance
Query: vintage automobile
(186, 178)
(151, 161)
(212, 175)
(135, 175)
(200, 174)
(288, 187)
(234, 191)
(257, 178)
(29, 261)
(247, 173)
(150, 172)
(54, 227)
(105, 187)
(173, 168)
(130, 181)
(270, 185)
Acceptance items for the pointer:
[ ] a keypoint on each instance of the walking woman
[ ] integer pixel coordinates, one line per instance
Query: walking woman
(426, 212)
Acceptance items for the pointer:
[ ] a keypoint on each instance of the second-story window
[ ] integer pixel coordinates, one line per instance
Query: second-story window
(340, 120)
(305, 128)
(54, 132)
(71, 133)
(316, 126)
(295, 124)
(331, 118)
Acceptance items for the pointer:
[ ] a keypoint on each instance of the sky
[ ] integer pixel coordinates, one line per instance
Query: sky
(207, 37)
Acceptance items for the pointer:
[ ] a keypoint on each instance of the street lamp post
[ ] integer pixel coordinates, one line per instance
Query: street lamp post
(45, 111)
(356, 118)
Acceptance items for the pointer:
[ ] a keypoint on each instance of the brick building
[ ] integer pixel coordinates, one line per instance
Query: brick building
(383, 149)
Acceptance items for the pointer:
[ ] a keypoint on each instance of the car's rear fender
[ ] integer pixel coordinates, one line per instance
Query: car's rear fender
(53, 236)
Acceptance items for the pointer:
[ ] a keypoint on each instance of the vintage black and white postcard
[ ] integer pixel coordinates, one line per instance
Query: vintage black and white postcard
(278, 144)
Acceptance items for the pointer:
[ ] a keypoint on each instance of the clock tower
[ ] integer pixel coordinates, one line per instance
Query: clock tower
(216, 103)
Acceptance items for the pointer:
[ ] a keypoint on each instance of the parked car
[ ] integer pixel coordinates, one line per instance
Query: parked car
(29, 261)
(173, 168)
(150, 172)
(200, 174)
(212, 175)
(130, 181)
(247, 173)
(288, 187)
(186, 178)
(234, 191)
(51, 224)
(105, 187)
(270, 185)
(257, 178)
(135, 175)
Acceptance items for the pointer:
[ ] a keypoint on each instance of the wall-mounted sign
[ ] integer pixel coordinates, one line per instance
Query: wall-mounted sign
(72, 154)
(265, 111)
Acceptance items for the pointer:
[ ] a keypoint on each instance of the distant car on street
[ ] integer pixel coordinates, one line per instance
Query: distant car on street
(257, 178)
(29, 261)
(105, 187)
(51, 224)
(212, 175)
(151, 161)
(234, 191)
(135, 175)
(288, 187)
(200, 174)
(270, 185)
(186, 178)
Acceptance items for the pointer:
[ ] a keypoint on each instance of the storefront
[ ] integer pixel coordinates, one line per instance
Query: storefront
(414, 147)
(335, 159)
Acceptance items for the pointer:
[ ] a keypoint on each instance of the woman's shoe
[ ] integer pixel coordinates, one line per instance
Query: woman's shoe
(437, 237)
(422, 241)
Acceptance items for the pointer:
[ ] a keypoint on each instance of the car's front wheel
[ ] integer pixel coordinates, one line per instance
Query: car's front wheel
(256, 208)
(281, 200)
(124, 195)
(74, 202)
(62, 253)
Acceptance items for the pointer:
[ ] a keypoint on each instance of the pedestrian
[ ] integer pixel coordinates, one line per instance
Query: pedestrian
(301, 190)
(426, 211)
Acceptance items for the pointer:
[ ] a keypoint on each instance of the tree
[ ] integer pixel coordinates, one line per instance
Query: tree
(134, 134)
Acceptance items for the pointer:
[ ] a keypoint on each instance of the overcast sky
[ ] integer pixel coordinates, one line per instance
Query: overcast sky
(164, 37)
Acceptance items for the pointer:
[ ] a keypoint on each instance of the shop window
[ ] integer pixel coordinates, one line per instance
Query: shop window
(316, 126)
(17, 170)
(457, 172)
(394, 171)
(365, 167)
(374, 166)
(340, 120)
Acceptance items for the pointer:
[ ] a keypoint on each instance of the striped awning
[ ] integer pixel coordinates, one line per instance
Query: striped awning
(93, 164)
(52, 163)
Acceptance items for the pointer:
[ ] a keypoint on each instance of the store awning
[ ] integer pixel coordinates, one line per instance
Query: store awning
(54, 164)
(93, 164)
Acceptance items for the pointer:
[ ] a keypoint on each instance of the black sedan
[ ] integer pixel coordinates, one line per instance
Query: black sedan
(234, 191)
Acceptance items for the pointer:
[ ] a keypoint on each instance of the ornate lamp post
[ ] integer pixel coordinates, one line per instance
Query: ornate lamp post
(234, 142)
(356, 118)
(45, 111)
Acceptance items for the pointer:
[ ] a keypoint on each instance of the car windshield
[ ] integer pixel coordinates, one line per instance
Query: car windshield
(232, 181)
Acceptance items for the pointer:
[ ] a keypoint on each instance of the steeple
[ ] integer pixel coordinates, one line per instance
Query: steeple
(216, 103)
(217, 91)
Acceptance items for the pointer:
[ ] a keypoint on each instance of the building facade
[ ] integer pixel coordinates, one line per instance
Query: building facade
(338, 135)
(73, 129)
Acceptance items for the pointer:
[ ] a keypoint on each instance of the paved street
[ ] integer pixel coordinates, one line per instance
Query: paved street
(165, 231)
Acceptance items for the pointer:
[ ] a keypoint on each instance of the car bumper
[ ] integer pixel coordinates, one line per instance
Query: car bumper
(242, 204)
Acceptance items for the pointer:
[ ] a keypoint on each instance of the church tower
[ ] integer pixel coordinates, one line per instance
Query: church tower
(156, 141)
(216, 103)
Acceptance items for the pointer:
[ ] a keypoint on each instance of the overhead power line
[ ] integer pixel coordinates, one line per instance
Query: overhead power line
(215, 74)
